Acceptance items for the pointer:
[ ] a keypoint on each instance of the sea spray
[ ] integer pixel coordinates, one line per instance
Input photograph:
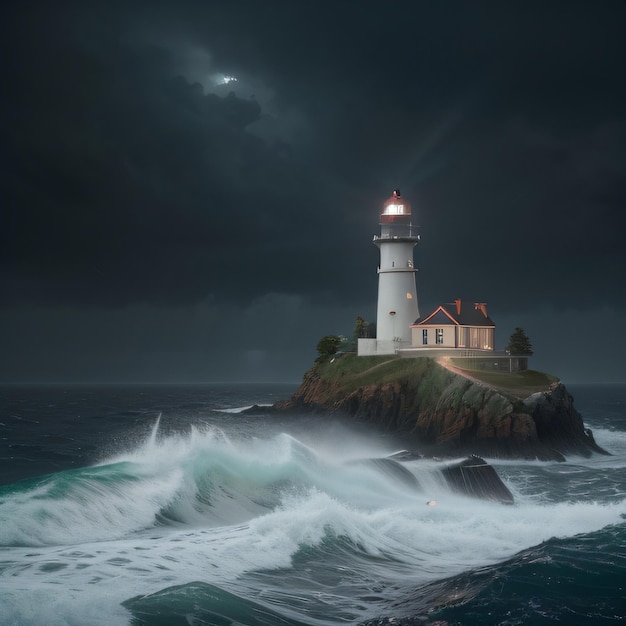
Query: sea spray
(153, 434)
(238, 519)
(90, 504)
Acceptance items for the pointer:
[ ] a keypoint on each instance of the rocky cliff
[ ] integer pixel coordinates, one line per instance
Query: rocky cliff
(447, 412)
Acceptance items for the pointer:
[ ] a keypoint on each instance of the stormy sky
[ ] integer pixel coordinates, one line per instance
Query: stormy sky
(190, 189)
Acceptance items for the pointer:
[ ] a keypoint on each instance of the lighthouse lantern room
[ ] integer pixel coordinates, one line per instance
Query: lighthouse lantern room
(397, 295)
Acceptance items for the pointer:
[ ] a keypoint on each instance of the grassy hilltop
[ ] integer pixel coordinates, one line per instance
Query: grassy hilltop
(351, 372)
(525, 414)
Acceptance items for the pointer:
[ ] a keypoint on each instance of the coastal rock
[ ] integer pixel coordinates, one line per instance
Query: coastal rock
(558, 423)
(445, 412)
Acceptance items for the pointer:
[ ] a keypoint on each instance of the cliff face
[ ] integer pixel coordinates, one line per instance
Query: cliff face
(447, 413)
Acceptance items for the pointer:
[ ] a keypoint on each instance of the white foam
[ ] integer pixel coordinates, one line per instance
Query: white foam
(88, 509)
(264, 500)
(425, 542)
(241, 409)
(613, 441)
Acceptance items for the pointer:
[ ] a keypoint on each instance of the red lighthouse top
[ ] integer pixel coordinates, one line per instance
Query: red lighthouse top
(395, 207)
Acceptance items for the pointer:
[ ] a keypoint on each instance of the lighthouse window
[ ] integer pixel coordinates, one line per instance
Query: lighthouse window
(394, 209)
(425, 336)
(439, 335)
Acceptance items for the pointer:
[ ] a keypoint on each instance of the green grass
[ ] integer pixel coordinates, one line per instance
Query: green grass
(351, 371)
(520, 384)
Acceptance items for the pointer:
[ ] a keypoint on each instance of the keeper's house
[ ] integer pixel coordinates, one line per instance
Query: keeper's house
(464, 332)
(455, 325)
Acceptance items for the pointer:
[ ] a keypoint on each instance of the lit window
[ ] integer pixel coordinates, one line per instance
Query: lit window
(463, 334)
(474, 338)
(394, 209)
(425, 336)
(409, 295)
(439, 335)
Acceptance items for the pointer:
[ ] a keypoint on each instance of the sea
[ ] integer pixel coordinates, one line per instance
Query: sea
(176, 505)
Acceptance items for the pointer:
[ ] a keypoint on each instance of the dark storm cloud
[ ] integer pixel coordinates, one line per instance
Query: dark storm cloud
(132, 177)
(127, 183)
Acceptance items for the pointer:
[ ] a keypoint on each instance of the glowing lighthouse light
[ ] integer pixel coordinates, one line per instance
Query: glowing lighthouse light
(396, 208)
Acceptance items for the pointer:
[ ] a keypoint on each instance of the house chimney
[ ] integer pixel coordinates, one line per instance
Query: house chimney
(482, 306)
(458, 306)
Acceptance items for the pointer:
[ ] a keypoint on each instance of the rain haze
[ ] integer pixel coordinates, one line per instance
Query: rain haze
(190, 189)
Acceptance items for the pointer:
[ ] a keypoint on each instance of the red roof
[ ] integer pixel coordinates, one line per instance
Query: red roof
(459, 314)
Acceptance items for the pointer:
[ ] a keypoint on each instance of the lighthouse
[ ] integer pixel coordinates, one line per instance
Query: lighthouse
(397, 295)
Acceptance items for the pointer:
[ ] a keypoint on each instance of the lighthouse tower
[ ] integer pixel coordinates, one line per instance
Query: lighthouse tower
(397, 295)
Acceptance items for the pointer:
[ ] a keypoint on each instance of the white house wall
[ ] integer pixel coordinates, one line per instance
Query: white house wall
(448, 337)
(482, 337)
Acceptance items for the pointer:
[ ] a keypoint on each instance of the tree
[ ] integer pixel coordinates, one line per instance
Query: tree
(327, 346)
(358, 327)
(519, 343)
(363, 329)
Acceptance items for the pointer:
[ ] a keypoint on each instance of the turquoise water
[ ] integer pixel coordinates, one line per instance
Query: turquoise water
(169, 505)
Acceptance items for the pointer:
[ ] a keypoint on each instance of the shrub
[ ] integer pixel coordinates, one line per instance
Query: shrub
(327, 346)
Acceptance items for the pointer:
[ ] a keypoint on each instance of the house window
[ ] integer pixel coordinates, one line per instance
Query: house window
(425, 336)
(474, 339)
(486, 338)
(463, 337)
(439, 335)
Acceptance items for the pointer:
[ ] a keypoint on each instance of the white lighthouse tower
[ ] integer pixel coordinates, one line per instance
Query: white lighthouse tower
(397, 295)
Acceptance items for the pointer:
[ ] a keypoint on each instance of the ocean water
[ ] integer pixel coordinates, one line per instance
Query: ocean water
(171, 505)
